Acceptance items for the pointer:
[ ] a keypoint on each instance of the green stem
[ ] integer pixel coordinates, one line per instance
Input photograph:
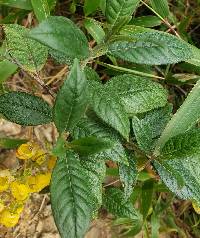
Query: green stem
(131, 71)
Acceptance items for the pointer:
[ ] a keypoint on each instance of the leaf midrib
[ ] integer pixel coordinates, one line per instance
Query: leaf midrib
(72, 194)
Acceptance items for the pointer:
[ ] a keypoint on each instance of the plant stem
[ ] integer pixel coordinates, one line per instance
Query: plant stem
(122, 69)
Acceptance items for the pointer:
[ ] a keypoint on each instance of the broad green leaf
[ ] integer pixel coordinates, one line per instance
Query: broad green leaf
(96, 171)
(146, 21)
(146, 197)
(186, 168)
(94, 29)
(60, 58)
(90, 6)
(90, 145)
(128, 176)
(25, 109)
(151, 48)
(6, 70)
(161, 7)
(116, 204)
(22, 4)
(147, 128)
(137, 94)
(131, 30)
(11, 143)
(71, 199)
(93, 126)
(25, 4)
(118, 11)
(109, 108)
(41, 9)
(183, 145)
(61, 35)
(71, 100)
(178, 166)
(185, 117)
(195, 60)
(27, 53)
(91, 74)
(134, 29)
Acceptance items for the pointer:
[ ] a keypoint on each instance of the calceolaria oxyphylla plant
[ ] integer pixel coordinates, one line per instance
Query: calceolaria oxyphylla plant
(126, 119)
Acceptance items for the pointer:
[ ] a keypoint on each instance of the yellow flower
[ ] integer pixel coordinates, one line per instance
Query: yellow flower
(5, 173)
(32, 182)
(32, 151)
(20, 191)
(16, 207)
(2, 206)
(4, 184)
(43, 180)
(25, 151)
(51, 162)
(8, 218)
(196, 207)
(38, 182)
(39, 157)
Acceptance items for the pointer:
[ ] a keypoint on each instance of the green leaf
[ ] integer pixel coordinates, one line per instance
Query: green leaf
(41, 9)
(91, 74)
(146, 21)
(60, 58)
(128, 176)
(94, 29)
(25, 109)
(179, 165)
(71, 100)
(27, 53)
(161, 7)
(96, 171)
(90, 145)
(108, 107)
(90, 6)
(155, 224)
(102, 6)
(186, 169)
(71, 199)
(60, 147)
(146, 197)
(93, 126)
(61, 35)
(185, 117)
(195, 60)
(120, 11)
(6, 70)
(25, 4)
(151, 48)
(183, 145)
(22, 4)
(52, 4)
(148, 128)
(137, 94)
(116, 204)
(131, 30)
(11, 143)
